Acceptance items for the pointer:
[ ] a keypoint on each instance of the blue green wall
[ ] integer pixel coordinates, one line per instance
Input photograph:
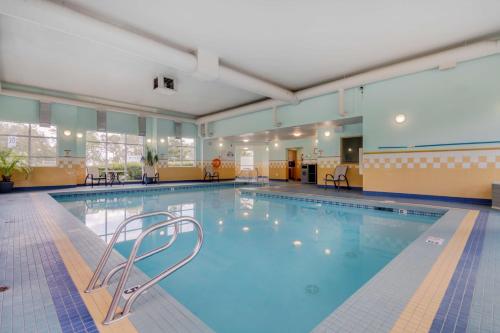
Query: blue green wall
(457, 105)
(313, 110)
(442, 107)
(330, 145)
(78, 119)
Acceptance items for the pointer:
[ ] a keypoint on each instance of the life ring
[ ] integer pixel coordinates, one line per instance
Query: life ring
(216, 163)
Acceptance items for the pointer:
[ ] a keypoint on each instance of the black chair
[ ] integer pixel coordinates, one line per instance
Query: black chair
(339, 175)
(94, 175)
(211, 175)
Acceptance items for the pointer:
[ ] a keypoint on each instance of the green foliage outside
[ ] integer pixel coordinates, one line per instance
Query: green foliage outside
(10, 163)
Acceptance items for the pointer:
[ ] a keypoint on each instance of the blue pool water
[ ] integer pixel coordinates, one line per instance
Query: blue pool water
(267, 264)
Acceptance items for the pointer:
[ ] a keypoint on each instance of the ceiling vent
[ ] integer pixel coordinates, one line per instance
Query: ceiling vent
(164, 85)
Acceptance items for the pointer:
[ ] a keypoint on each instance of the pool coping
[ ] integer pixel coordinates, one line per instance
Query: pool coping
(360, 311)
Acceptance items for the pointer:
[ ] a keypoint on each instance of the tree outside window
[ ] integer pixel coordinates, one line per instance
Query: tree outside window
(116, 152)
(37, 143)
(181, 152)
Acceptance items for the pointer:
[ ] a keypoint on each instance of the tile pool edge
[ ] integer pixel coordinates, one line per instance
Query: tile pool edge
(398, 208)
(363, 309)
(92, 191)
(379, 303)
(155, 310)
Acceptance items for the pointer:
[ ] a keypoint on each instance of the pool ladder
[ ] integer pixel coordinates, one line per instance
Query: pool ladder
(112, 315)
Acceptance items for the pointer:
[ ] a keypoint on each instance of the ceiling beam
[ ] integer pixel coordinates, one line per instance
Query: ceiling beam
(436, 60)
(70, 22)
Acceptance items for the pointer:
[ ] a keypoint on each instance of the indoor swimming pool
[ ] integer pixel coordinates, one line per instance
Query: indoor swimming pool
(268, 264)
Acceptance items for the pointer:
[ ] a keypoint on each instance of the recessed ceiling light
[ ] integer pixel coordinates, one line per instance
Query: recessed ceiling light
(400, 118)
(162, 140)
(245, 140)
(296, 134)
(349, 149)
(267, 148)
(148, 140)
(276, 144)
(67, 132)
(79, 135)
(221, 144)
(316, 141)
(327, 133)
(245, 148)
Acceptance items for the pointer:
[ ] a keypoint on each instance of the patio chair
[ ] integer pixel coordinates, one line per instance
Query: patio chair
(150, 173)
(211, 174)
(339, 175)
(94, 175)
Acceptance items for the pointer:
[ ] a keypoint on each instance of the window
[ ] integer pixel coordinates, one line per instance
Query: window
(117, 152)
(181, 152)
(37, 143)
(350, 149)
(185, 209)
(246, 160)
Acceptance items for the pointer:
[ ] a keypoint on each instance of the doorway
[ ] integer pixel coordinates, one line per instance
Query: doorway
(293, 164)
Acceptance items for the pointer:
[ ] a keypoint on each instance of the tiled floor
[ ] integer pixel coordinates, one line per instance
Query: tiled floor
(45, 286)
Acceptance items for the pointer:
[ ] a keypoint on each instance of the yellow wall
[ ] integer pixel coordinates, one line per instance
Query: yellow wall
(226, 170)
(50, 176)
(278, 170)
(179, 173)
(69, 171)
(72, 171)
(454, 173)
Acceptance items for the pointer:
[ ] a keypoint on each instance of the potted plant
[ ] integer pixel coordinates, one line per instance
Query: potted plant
(150, 160)
(10, 163)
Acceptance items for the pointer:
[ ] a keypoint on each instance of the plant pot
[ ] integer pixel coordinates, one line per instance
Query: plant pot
(6, 187)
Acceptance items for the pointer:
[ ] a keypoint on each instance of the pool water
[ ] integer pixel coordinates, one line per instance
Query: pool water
(267, 264)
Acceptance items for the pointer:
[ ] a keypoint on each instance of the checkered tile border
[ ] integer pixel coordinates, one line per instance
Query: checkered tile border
(328, 162)
(467, 159)
(224, 164)
(164, 164)
(278, 164)
(70, 162)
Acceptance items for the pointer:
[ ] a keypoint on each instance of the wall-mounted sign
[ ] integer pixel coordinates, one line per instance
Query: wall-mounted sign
(11, 142)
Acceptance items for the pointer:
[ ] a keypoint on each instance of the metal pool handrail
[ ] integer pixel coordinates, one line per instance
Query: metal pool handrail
(104, 259)
(112, 316)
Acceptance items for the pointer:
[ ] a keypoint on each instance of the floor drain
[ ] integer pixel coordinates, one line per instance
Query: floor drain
(3, 288)
(312, 289)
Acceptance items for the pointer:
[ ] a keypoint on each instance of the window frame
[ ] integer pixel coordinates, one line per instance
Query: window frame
(342, 153)
(180, 163)
(29, 136)
(108, 142)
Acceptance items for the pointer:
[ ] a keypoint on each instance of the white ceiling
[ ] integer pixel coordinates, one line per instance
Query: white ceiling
(293, 43)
